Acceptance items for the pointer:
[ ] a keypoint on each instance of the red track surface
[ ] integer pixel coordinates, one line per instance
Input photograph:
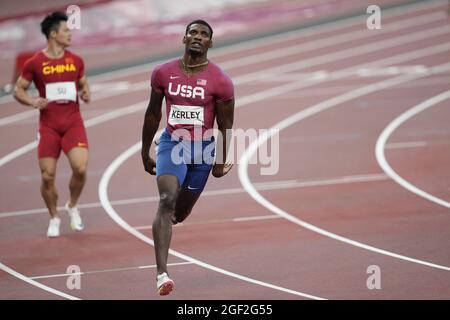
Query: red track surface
(336, 143)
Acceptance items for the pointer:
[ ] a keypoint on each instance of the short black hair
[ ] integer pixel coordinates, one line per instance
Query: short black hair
(51, 22)
(199, 21)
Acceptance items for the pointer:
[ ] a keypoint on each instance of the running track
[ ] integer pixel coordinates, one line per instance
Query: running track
(363, 177)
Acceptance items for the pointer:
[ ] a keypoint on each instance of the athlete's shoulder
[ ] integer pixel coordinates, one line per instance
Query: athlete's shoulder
(163, 70)
(218, 73)
(37, 56)
(70, 54)
(217, 70)
(34, 61)
(169, 65)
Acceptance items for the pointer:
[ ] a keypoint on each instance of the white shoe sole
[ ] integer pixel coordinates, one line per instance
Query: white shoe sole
(75, 228)
(166, 288)
(52, 236)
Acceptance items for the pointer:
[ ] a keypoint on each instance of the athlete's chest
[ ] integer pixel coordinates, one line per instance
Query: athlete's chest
(65, 69)
(197, 88)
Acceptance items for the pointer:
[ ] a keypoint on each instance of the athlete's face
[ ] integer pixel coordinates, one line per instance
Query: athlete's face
(198, 39)
(63, 37)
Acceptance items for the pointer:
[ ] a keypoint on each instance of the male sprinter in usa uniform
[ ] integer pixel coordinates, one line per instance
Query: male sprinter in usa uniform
(58, 75)
(196, 91)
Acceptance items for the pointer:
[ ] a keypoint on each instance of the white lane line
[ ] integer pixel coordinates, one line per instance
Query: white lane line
(257, 218)
(196, 223)
(334, 90)
(18, 117)
(35, 283)
(104, 199)
(403, 145)
(302, 115)
(45, 210)
(18, 152)
(387, 132)
(269, 55)
(316, 183)
(263, 186)
(59, 275)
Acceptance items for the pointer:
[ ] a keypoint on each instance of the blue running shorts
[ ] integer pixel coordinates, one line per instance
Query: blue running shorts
(190, 161)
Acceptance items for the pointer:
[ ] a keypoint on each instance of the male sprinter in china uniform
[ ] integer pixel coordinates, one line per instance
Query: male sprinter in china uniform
(197, 92)
(58, 75)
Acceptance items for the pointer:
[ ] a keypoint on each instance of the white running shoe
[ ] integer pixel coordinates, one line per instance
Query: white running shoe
(53, 227)
(164, 285)
(75, 220)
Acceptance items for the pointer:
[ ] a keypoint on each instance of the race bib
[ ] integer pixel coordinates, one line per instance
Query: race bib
(192, 115)
(61, 91)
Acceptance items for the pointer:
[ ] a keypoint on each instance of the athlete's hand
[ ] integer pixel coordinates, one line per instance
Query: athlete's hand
(85, 95)
(219, 170)
(149, 164)
(40, 103)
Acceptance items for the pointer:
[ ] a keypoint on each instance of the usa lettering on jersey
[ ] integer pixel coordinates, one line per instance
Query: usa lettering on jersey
(187, 91)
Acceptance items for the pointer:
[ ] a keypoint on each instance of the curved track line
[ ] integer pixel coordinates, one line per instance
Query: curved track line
(322, 106)
(104, 199)
(35, 283)
(387, 132)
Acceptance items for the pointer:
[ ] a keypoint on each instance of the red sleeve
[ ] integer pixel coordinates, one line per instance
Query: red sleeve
(81, 66)
(28, 70)
(225, 89)
(156, 81)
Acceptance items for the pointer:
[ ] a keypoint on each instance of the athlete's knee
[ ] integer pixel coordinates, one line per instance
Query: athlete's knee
(80, 170)
(167, 202)
(48, 177)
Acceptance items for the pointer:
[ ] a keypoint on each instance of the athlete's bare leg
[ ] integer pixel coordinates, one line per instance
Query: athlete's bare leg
(185, 202)
(168, 187)
(78, 158)
(48, 187)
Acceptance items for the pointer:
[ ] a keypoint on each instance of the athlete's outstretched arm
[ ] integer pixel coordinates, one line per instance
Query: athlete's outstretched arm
(21, 95)
(85, 92)
(151, 124)
(224, 118)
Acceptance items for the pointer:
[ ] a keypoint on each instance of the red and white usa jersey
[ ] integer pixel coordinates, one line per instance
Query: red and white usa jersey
(191, 100)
